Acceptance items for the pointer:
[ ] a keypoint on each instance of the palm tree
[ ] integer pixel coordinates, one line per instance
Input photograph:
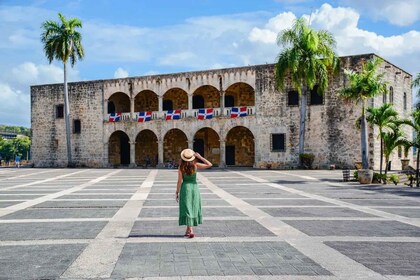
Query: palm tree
(385, 117)
(416, 84)
(392, 139)
(363, 86)
(307, 59)
(415, 124)
(62, 42)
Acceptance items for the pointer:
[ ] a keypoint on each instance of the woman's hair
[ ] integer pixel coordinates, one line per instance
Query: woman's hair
(187, 167)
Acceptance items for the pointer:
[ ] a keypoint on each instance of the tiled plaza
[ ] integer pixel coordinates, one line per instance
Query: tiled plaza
(258, 224)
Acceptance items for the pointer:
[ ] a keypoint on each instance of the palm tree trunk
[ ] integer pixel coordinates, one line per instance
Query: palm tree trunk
(386, 167)
(67, 117)
(382, 153)
(363, 138)
(417, 168)
(303, 103)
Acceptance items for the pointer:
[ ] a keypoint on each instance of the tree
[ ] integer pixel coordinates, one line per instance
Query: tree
(307, 58)
(416, 84)
(62, 42)
(363, 86)
(414, 122)
(385, 117)
(392, 139)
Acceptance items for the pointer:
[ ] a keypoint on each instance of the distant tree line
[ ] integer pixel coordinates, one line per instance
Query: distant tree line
(20, 145)
(15, 129)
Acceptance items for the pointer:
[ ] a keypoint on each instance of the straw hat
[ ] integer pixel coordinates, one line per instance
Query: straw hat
(187, 155)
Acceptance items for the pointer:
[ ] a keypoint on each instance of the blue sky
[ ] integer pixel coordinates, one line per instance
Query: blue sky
(143, 37)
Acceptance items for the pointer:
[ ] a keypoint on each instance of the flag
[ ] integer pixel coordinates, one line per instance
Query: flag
(173, 114)
(144, 116)
(114, 117)
(205, 113)
(238, 112)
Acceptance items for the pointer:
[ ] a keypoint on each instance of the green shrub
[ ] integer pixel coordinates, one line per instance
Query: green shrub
(356, 175)
(307, 160)
(394, 178)
(378, 178)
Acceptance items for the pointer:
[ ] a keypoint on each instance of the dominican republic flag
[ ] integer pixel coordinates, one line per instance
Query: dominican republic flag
(114, 117)
(205, 113)
(238, 112)
(173, 114)
(144, 116)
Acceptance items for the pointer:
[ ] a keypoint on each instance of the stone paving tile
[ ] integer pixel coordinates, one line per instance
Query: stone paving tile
(172, 202)
(207, 212)
(97, 196)
(406, 212)
(81, 204)
(17, 197)
(245, 195)
(280, 202)
(53, 230)
(383, 202)
(4, 204)
(37, 261)
(315, 212)
(212, 259)
(209, 228)
(386, 258)
(62, 213)
(355, 228)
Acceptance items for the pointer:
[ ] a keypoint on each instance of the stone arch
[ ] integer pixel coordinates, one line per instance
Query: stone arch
(207, 143)
(121, 102)
(179, 98)
(174, 142)
(146, 148)
(119, 148)
(210, 94)
(240, 147)
(146, 100)
(242, 93)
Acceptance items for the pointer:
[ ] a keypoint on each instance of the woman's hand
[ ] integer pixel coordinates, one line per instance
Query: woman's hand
(197, 155)
(176, 197)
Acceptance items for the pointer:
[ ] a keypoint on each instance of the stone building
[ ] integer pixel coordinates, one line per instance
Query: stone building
(150, 119)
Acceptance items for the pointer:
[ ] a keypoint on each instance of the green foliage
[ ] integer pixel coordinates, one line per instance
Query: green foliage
(307, 160)
(9, 148)
(356, 175)
(379, 178)
(394, 178)
(15, 129)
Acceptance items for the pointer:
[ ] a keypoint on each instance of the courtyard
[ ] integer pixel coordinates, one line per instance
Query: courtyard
(258, 224)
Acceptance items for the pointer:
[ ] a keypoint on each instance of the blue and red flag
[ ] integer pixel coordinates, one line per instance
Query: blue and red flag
(173, 114)
(204, 114)
(144, 116)
(114, 117)
(238, 112)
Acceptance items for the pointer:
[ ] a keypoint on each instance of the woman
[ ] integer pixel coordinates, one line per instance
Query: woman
(187, 191)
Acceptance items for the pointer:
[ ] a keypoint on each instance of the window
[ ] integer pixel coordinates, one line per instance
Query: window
(59, 111)
(167, 105)
(405, 101)
(315, 98)
(391, 95)
(198, 102)
(77, 126)
(229, 101)
(292, 98)
(384, 98)
(278, 142)
(399, 152)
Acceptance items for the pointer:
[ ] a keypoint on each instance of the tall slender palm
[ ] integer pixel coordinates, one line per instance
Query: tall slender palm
(363, 86)
(63, 42)
(416, 84)
(385, 118)
(414, 122)
(307, 58)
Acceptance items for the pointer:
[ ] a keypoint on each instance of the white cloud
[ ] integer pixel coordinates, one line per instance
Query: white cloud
(275, 25)
(401, 12)
(14, 105)
(120, 73)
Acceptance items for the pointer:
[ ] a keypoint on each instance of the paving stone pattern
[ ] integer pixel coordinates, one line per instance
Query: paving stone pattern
(257, 224)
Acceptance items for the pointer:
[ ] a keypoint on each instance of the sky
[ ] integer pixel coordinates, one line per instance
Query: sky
(126, 38)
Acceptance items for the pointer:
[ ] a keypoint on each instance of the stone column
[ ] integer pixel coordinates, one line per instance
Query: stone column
(106, 162)
(132, 154)
(190, 144)
(190, 102)
(160, 103)
(222, 154)
(106, 110)
(160, 154)
(222, 103)
(132, 109)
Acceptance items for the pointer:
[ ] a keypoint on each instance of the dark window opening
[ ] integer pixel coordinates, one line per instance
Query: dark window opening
(384, 98)
(229, 101)
(111, 107)
(198, 102)
(405, 101)
(278, 142)
(168, 105)
(293, 98)
(315, 97)
(77, 126)
(59, 111)
(391, 95)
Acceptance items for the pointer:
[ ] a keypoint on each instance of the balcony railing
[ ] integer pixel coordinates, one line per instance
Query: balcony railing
(184, 114)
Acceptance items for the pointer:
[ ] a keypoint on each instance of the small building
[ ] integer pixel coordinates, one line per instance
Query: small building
(8, 135)
(233, 116)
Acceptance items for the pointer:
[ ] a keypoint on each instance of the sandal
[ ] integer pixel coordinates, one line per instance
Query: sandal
(191, 235)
